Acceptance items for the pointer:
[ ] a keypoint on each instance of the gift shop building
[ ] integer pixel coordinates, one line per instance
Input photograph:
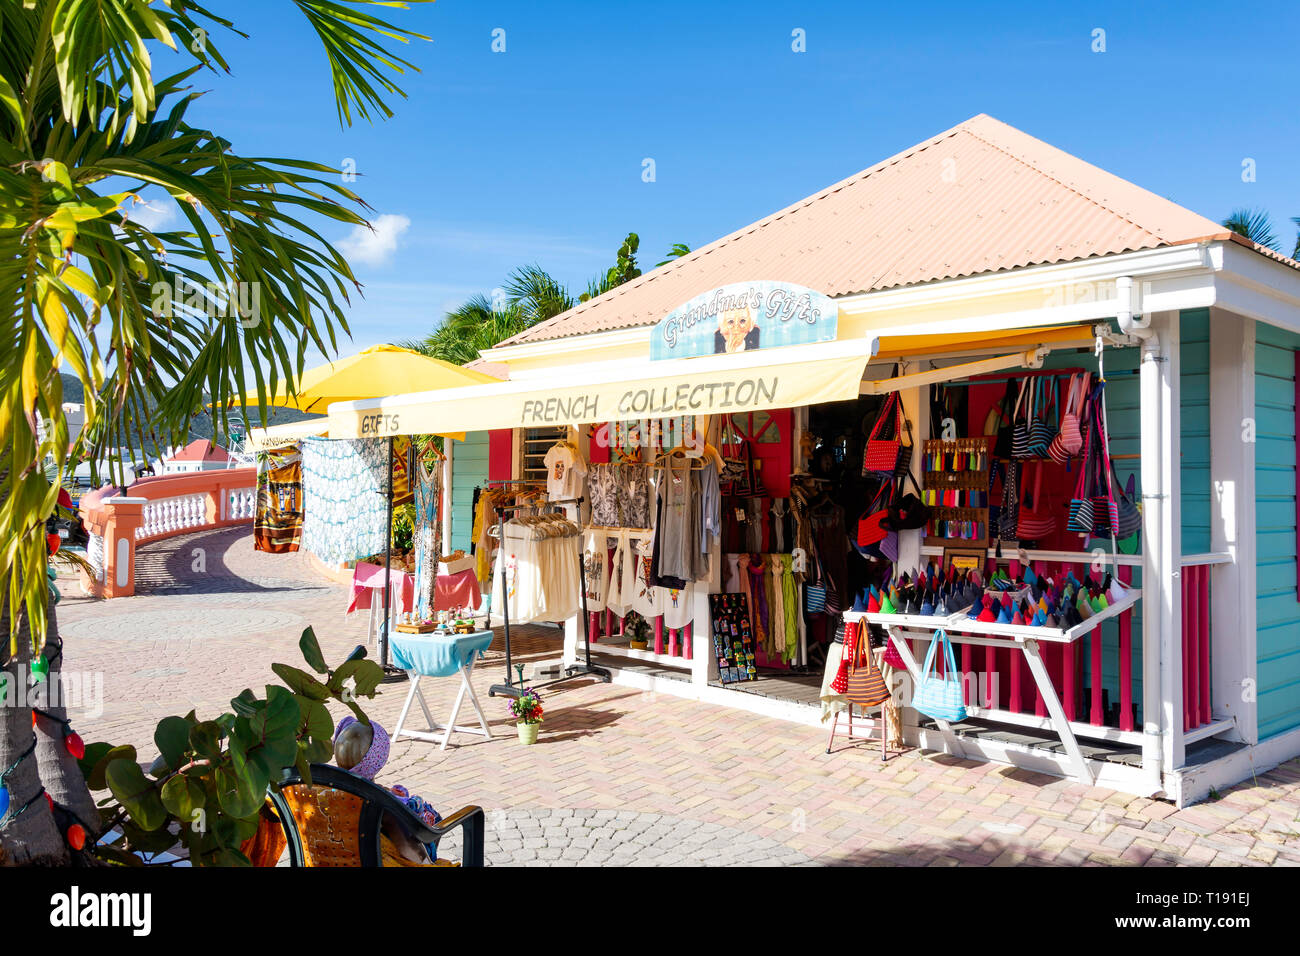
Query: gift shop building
(1073, 378)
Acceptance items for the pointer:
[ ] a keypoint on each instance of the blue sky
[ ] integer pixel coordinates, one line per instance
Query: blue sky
(535, 154)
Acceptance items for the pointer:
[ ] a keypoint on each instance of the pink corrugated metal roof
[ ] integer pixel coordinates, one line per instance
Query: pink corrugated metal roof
(981, 197)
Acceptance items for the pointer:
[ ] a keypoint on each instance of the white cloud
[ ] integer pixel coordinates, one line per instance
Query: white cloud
(153, 215)
(374, 245)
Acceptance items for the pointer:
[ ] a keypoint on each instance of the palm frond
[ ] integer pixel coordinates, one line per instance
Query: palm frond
(1254, 224)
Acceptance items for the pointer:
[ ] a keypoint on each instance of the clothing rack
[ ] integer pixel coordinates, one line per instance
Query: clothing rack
(511, 688)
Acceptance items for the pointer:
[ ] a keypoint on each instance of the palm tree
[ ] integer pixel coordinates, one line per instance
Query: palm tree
(84, 108)
(676, 251)
(1254, 224)
(471, 328)
(1295, 254)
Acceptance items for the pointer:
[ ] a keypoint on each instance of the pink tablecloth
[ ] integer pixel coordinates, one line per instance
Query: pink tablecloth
(451, 591)
(368, 580)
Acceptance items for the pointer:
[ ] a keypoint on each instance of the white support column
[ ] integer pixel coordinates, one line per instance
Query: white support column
(916, 408)
(1232, 523)
(448, 467)
(1162, 703)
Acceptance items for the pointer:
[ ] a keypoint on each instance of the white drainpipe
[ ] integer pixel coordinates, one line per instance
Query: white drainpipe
(1153, 571)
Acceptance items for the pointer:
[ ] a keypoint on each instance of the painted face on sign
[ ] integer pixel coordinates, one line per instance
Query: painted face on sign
(734, 325)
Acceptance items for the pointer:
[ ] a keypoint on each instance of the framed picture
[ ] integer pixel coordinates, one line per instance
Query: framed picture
(964, 559)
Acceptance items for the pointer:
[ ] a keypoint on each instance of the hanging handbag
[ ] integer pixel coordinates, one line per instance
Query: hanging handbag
(907, 512)
(739, 476)
(814, 598)
(1009, 513)
(936, 696)
(871, 526)
(864, 684)
(1081, 508)
(1000, 422)
(1069, 439)
(892, 657)
(1105, 515)
(840, 682)
(1129, 515)
(1036, 520)
(881, 454)
(1020, 430)
(1041, 430)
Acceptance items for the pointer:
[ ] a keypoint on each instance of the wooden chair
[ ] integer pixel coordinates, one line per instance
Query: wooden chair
(336, 821)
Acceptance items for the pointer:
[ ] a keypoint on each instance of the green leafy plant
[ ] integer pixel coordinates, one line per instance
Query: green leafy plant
(206, 790)
(403, 527)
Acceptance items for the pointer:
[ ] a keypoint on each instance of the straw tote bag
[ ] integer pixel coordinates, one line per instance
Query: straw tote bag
(1036, 520)
(940, 697)
(881, 455)
(864, 684)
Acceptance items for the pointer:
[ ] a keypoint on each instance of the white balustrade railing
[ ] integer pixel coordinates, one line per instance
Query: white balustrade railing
(241, 504)
(168, 516)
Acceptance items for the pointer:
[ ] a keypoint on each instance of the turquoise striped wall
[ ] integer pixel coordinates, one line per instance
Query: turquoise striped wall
(469, 469)
(1194, 388)
(1277, 610)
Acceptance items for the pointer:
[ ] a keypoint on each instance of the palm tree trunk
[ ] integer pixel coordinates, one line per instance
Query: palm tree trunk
(29, 837)
(60, 773)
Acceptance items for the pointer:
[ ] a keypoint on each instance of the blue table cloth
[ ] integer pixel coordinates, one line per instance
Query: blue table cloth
(437, 655)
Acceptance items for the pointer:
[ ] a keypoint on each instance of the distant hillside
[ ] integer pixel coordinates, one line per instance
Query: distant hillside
(202, 424)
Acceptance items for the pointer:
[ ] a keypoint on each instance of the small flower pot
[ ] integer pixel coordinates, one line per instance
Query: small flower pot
(638, 645)
(528, 732)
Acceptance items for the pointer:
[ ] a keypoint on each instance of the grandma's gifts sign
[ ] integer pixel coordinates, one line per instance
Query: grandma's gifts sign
(745, 316)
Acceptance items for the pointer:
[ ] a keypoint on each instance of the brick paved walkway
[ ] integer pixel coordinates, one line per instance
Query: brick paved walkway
(625, 776)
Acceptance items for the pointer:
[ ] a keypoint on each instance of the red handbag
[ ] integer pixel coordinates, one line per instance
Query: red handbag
(892, 657)
(871, 526)
(841, 681)
(881, 454)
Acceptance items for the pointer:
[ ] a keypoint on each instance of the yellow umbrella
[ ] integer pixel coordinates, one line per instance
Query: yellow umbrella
(374, 373)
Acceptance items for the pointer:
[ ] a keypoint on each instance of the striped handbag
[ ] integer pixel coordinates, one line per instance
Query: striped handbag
(937, 696)
(865, 685)
(1069, 439)
(1036, 520)
(1020, 430)
(1041, 430)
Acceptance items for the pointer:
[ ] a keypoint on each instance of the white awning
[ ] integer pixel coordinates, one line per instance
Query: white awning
(747, 381)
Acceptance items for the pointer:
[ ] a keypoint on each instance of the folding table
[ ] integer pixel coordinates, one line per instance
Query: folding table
(439, 655)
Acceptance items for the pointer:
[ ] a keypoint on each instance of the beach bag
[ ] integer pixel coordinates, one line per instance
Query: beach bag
(738, 476)
(907, 512)
(1129, 515)
(1009, 512)
(814, 598)
(840, 682)
(1036, 520)
(864, 684)
(1020, 430)
(1069, 439)
(892, 657)
(871, 526)
(940, 697)
(882, 452)
(1082, 517)
(1041, 430)
(1000, 422)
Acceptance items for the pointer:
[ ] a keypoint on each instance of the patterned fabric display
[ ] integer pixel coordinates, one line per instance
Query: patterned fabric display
(343, 490)
(427, 540)
(277, 523)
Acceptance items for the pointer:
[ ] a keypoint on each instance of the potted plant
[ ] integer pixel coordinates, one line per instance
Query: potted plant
(527, 711)
(638, 631)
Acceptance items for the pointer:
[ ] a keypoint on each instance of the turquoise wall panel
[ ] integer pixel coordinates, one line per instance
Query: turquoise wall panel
(1194, 433)
(1276, 608)
(469, 470)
